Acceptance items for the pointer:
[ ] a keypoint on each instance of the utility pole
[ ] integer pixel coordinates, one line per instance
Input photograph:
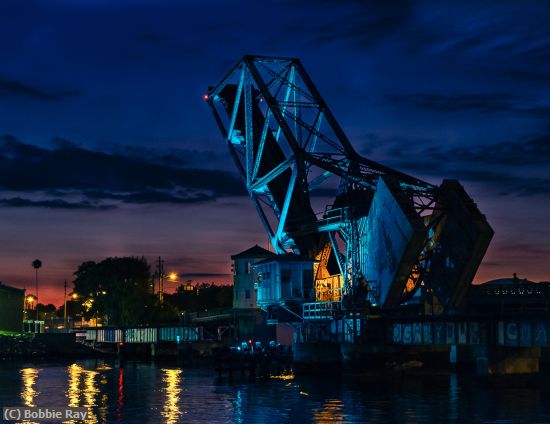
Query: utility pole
(65, 307)
(161, 282)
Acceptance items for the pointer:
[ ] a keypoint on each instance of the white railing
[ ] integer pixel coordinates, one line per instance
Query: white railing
(320, 310)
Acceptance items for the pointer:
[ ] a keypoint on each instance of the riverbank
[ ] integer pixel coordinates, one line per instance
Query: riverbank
(30, 345)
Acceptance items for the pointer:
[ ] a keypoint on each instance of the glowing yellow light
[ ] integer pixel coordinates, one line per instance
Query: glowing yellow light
(171, 411)
(330, 413)
(283, 377)
(172, 276)
(29, 376)
(88, 304)
(74, 296)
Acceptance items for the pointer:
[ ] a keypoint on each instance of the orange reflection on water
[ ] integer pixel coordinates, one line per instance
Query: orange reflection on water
(29, 393)
(331, 412)
(83, 390)
(73, 392)
(171, 410)
(120, 400)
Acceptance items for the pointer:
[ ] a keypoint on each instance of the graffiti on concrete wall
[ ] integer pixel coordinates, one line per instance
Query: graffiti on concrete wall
(520, 333)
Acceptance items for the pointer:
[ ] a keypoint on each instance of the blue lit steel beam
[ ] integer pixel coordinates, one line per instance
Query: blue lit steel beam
(286, 142)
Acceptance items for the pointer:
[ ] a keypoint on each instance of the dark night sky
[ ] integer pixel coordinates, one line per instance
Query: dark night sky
(108, 149)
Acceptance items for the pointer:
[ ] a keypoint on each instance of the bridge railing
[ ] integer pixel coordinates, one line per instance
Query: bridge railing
(320, 310)
(178, 334)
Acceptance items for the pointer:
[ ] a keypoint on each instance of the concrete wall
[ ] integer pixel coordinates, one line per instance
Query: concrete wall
(244, 295)
(11, 309)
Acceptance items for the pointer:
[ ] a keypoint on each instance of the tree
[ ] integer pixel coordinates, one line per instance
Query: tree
(115, 289)
(45, 311)
(203, 296)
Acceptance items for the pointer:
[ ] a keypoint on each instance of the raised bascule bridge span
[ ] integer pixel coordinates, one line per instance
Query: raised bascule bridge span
(383, 234)
(383, 243)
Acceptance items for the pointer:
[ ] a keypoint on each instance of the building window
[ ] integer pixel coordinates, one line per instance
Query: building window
(285, 276)
(247, 294)
(247, 267)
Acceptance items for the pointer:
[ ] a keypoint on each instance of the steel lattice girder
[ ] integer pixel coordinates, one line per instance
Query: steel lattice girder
(285, 143)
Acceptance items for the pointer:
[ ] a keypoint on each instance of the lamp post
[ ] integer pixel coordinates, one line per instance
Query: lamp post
(73, 296)
(65, 306)
(37, 263)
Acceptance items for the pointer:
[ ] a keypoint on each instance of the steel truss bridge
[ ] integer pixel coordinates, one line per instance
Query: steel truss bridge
(381, 236)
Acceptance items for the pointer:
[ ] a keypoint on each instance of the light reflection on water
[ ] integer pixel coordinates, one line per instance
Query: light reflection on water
(172, 408)
(331, 412)
(29, 393)
(148, 393)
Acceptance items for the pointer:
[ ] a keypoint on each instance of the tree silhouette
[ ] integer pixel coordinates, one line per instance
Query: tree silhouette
(115, 289)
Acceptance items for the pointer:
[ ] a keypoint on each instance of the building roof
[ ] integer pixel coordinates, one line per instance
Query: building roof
(285, 257)
(4, 287)
(254, 252)
(508, 281)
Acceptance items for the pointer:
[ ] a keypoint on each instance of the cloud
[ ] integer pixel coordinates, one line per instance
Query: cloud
(19, 202)
(489, 103)
(151, 196)
(172, 156)
(13, 88)
(204, 274)
(528, 75)
(524, 249)
(369, 23)
(508, 167)
(531, 152)
(70, 171)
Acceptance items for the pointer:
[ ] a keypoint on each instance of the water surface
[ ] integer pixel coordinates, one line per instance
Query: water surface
(146, 392)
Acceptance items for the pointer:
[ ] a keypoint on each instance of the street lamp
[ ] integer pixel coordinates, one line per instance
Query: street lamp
(29, 300)
(172, 276)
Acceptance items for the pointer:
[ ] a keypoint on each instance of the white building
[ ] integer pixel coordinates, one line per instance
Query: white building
(282, 279)
(244, 295)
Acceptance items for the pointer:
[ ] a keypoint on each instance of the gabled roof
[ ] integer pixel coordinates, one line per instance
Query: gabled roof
(285, 257)
(15, 289)
(253, 253)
